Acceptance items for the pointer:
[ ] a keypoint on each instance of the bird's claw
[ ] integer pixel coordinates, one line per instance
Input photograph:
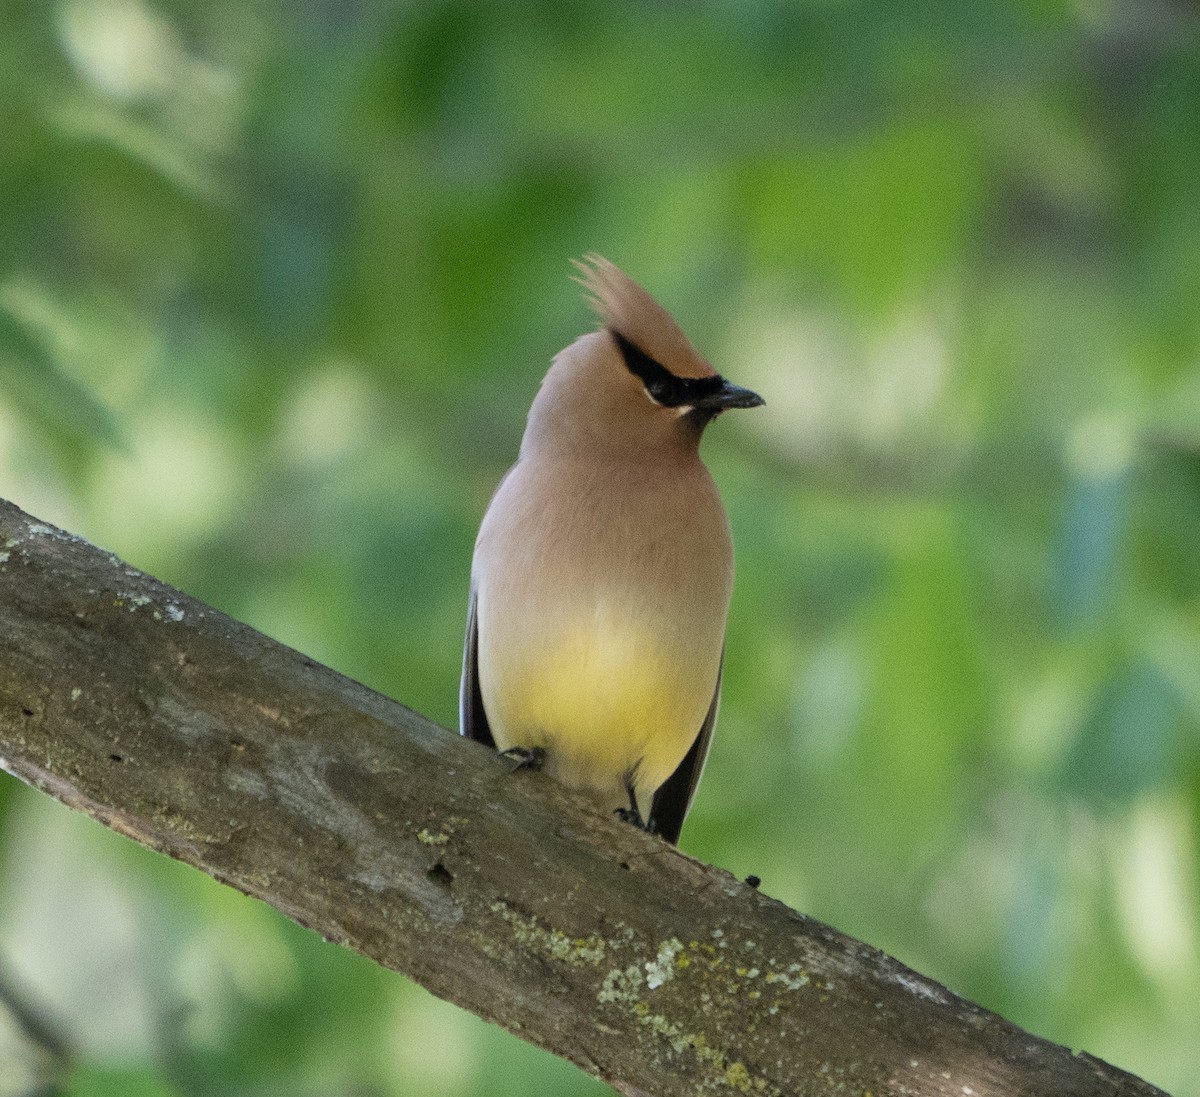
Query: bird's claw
(532, 758)
(632, 815)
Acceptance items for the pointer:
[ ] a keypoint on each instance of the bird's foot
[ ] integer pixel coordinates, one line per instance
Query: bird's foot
(532, 758)
(632, 815)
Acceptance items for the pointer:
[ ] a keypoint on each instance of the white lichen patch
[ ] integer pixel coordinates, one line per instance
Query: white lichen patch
(76, 693)
(795, 978)
(922, 988)
(621, 985)
(667, 1030)
(40, 529)
(662, 968)
(4, 557)
(174, 611)
(553, 942)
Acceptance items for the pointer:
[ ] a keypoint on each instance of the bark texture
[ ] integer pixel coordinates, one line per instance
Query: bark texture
(199, 737)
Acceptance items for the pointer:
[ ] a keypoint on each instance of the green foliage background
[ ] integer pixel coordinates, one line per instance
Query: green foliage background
(278, 282)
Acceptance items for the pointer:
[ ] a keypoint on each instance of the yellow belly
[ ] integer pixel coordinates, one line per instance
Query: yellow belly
(608, 707)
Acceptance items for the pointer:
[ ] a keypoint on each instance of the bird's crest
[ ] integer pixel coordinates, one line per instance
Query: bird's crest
(626, 307)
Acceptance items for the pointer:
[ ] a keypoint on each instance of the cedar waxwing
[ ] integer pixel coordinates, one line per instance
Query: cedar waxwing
(604, 565)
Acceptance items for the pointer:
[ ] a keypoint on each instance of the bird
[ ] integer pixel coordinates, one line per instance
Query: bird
(603, 569)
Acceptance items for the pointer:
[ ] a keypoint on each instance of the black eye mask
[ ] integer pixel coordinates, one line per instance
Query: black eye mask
(662, 385)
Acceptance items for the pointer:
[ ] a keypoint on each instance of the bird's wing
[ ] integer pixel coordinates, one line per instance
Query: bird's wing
(674, 797)
(472, 719)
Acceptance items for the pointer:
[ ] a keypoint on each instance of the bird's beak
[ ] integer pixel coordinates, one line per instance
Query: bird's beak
(729, 396)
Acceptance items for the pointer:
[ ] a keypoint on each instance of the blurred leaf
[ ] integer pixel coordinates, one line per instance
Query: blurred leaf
(38, 389)
(929, 697)
(1093, 521)
(1127, 746)
(874, 219)
(96, 1081)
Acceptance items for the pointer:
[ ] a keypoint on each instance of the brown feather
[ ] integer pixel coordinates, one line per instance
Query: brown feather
(621, 303)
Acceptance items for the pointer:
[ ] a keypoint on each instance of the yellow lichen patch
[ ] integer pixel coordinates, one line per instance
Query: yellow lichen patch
(570, 950)
(630, 986)
(443, 834)
(704, 973)
(795, 978)
(738, 1076)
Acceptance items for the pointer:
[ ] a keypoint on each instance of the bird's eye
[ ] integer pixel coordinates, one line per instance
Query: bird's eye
(658, 392)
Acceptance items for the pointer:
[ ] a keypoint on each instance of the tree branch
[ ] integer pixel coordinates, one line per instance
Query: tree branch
(199, 737)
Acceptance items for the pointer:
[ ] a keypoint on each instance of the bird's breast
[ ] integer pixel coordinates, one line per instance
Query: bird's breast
(601, 622)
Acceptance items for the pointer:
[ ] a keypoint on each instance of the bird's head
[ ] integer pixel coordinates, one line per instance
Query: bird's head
(636, 384)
